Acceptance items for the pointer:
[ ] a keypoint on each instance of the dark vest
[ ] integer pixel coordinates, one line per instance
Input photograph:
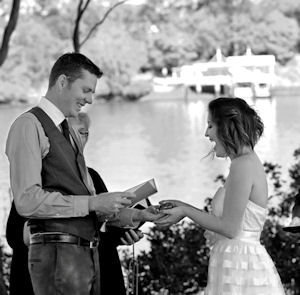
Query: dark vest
(61, 173)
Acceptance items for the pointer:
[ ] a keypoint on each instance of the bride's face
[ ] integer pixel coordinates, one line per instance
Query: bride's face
(211, 133)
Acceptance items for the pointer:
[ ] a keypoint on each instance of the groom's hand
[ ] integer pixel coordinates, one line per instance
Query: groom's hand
(170, 216)
(150, 214)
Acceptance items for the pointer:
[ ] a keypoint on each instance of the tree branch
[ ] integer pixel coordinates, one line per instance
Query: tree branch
(81, 8)
(100, 22)
(10, 27)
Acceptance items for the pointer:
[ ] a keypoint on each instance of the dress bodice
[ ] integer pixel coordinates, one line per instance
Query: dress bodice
(254, 216)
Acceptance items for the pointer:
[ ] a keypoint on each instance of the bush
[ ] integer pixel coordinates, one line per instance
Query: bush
(177, 261)
(104, 89)
(178, 256)
(137, 90)
(5, 260)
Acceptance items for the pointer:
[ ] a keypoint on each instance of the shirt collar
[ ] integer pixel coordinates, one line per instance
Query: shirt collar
(51, 110)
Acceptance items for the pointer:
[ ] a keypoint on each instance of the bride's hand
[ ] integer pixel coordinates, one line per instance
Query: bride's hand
(171, 216)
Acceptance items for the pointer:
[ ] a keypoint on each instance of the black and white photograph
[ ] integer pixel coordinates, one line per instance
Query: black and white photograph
(150, 147)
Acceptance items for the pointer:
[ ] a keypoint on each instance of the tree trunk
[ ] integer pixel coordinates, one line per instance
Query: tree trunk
(10, 27)
(76, 34)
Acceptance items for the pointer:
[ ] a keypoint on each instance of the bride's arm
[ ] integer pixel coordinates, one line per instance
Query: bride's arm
(238, 188)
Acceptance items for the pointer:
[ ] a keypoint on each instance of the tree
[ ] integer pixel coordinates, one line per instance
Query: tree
(9, 29)
(81, 8)
(119, 55)
(186, 31)
(25, 73)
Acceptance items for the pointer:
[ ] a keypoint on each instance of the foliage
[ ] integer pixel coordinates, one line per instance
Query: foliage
(295, 171)
(3, 289)
(119, 55)
(230, 25)
(25, 69)
(5, 260)
(136, 90)
(178, 256)
(283, 247)
(149, 37)
(162, 267)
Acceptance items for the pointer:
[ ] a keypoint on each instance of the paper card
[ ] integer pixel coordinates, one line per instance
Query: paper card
(142, 192)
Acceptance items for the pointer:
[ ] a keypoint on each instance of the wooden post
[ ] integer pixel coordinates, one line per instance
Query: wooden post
(186, 92)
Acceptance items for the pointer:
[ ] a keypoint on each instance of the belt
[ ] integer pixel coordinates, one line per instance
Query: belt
(249, 236)
(44, 238)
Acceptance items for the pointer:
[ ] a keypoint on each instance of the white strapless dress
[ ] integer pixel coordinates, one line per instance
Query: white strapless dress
(241, 266)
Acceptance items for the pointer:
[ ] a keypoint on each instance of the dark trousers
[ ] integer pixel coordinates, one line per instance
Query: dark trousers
(112, 281)
(19, 281)
(61, 268)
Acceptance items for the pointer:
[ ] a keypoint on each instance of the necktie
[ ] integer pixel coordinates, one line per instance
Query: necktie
(65, 129)
(80, 161)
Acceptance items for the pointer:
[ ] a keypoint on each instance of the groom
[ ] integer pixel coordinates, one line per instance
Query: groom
(50, 185)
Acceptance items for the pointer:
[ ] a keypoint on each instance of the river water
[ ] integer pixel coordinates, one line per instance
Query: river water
(164, 139)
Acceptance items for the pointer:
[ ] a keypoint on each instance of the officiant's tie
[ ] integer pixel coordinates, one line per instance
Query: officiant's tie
(65, 130)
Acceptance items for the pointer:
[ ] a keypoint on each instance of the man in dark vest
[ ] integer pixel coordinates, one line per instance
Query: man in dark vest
(110, 265)
(109, 241)
(50, 186)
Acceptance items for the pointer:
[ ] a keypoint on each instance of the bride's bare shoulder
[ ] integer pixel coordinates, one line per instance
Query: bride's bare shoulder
(248, 165)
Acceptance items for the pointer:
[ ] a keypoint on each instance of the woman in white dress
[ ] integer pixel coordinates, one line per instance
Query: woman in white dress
(239, 264)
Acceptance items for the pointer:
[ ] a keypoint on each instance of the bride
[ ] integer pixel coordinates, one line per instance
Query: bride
(238, 263)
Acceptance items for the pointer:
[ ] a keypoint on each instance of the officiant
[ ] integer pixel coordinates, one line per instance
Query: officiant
(120, 229)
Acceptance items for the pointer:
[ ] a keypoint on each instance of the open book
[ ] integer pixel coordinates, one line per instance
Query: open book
(141, 201)
(142, 192)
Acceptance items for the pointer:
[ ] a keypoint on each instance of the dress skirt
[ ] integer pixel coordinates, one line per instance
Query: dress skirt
(242, 266)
